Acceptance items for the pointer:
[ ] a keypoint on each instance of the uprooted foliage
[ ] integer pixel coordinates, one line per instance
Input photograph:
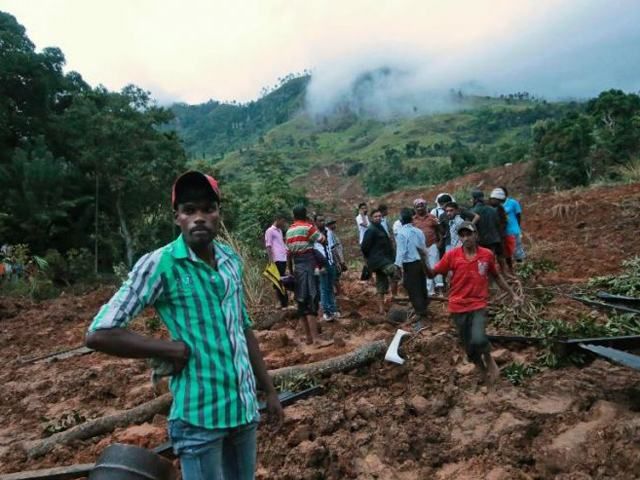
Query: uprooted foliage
(626, 283)
(534, 318)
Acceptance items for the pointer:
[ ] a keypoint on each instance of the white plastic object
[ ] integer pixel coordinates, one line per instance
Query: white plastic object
(392, 352)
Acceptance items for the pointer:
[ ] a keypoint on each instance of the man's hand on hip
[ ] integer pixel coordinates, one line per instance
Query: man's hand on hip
(178, 353)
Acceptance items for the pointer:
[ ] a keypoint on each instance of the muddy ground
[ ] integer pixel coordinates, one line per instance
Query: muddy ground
(426, 419)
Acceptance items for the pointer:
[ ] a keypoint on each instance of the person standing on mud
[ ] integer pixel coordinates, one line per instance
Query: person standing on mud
(384, 211)
(300, 238)
(496, 199)
(378, 251)
(429, 226)
(330, 310)
(195, 285)
(514, 224)
(455, 217)
(411, 254)
(338, 254)
(362, 221)
(471, 267)
(277, 253)
(489, 224)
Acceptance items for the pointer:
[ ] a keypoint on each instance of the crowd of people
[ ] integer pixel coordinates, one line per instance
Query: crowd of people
(449, 249)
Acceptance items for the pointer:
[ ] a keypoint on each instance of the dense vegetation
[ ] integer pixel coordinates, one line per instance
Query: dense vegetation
(601, 142)
(82, 169)
(213, 128)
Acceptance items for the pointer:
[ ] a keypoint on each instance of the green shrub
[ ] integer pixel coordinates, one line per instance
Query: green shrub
(80, 264)
(58, 270)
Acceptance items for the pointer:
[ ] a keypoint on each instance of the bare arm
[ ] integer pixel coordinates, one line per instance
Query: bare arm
(123, 343)
(505, 286)
(262, 376)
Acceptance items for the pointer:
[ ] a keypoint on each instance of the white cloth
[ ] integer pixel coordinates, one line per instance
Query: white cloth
(433, 256)
(396, 227)
(326, 251)
(436, 212)
(359, 221)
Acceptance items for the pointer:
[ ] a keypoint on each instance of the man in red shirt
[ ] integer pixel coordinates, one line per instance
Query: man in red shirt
(471, 267)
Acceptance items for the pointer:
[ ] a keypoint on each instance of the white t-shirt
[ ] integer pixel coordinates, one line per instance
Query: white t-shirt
(436, 212)
(359, 221)
(396, 227)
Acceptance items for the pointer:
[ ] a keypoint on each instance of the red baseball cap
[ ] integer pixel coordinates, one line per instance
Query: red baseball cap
(191, 178)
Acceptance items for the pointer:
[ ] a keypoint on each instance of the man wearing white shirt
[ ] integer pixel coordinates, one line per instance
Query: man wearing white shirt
(362, 220)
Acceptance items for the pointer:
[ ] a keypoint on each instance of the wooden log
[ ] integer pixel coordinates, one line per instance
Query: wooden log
(161, 405)
(348, 361)
(99, 426)
(58, 473)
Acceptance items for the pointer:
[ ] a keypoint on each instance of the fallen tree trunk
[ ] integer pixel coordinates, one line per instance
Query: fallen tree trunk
(160, 405)
(348, 361)
(101, 425)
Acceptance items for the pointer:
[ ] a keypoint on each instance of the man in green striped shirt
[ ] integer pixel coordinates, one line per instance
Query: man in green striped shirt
(195, 285)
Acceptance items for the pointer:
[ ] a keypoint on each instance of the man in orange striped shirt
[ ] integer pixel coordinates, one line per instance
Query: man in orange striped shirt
(301, 260)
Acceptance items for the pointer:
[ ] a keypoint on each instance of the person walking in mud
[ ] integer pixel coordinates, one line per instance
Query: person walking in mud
(378, 252)
(195, 285)
(300, 239)
(489, 224)
(277, 253)
(472, 267)
(411, 254)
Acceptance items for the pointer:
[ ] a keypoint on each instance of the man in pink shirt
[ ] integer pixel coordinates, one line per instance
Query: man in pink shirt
(277, 252)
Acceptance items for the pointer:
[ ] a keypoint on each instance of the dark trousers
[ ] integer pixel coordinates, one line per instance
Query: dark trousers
(472, 331)
(415, 283)
(282, 297)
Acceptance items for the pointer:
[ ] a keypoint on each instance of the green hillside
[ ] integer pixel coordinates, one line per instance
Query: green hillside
(389, 155)
(214, 128)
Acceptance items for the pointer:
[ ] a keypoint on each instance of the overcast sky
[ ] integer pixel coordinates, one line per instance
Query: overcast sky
(193, 50)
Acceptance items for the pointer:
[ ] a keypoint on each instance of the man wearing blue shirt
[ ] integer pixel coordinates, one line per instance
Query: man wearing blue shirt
(514, 218)
(411, 255)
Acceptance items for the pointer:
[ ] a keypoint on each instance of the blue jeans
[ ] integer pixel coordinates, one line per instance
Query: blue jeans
(219, 454)
(327, 295)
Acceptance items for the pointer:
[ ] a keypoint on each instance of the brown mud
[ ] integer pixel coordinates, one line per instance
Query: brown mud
(426, 419)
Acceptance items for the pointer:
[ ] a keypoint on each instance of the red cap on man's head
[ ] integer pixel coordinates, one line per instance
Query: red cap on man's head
(193, 179)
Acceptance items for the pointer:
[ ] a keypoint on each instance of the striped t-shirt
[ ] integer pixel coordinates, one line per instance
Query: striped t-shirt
(204, 308)
(301, 236)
